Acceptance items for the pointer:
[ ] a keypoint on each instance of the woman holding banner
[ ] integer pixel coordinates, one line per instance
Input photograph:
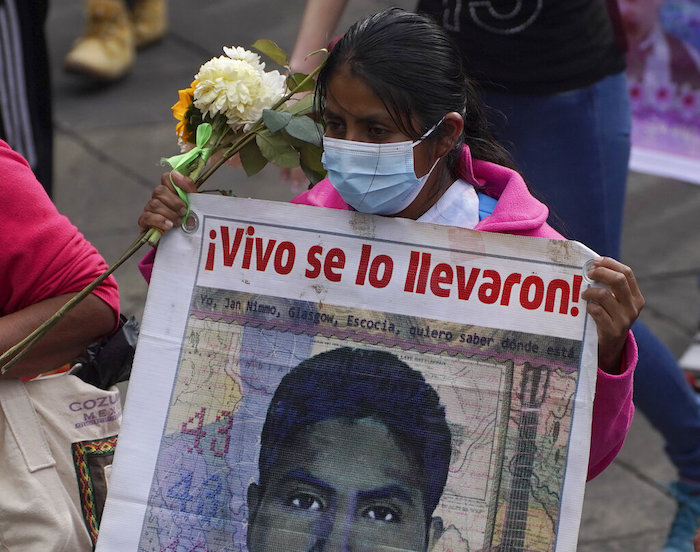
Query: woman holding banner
(406, 136)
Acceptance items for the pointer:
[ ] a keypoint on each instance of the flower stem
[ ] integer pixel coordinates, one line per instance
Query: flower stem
(300, 86)
(228, 153)
(10, 357)
(153, 236)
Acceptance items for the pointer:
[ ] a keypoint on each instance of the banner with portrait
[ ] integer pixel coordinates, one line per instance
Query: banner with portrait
(663, 62)
(308, 376)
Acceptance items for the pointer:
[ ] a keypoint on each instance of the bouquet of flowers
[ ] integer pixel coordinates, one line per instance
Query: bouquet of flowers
(233, 107)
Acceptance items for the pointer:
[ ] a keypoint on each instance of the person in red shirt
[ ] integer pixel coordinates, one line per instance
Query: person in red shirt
(45, 262)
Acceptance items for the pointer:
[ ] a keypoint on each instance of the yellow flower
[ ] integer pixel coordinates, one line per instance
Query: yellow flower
(180, 111)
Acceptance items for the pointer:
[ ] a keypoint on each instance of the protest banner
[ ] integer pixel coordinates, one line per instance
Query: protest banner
(305, 375)
(663, 69)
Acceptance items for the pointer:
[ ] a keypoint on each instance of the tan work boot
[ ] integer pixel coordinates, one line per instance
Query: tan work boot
(150, 19)
(106, 52)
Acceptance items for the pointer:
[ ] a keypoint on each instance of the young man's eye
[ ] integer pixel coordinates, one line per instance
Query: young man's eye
(386, 514)
(305, 501)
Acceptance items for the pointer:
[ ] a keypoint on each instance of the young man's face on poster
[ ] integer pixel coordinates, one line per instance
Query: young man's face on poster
(340, 485)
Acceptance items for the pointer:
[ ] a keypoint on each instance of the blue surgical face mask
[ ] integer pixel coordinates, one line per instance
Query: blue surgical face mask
(377, 179)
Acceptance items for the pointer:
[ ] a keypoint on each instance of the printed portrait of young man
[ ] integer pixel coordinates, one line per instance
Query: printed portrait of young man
(354, 455)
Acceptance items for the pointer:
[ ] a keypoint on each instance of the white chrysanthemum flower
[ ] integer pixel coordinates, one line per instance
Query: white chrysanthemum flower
(237, 52)
(237, 89)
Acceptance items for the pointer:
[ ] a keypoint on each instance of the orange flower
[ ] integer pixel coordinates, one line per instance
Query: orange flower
(180, 112)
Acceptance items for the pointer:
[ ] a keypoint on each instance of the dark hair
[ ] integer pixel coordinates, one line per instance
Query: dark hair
(416, 69)
(352, 384)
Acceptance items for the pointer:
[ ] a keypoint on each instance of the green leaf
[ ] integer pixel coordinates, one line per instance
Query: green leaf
(271, 50)
(310, 161)
(310, 157)
(253, 161)
(304, 106)
(275, 120)
(277, 150)
(305, 129)
(295, 79)
(313, 175)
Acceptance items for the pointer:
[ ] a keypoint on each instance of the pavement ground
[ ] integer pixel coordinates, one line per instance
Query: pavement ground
(109, 140)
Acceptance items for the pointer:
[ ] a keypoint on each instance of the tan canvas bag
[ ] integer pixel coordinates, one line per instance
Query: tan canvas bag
(57, 438)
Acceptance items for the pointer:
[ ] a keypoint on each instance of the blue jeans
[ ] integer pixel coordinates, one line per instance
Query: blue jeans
(663, 395)
(573, 150)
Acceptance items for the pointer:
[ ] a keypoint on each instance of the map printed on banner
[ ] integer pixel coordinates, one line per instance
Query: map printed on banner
(306, 375)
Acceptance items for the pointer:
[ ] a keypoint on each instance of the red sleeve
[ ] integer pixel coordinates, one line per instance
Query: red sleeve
(43, 254)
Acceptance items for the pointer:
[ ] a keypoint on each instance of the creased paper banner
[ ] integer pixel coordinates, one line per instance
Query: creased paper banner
(264, 298)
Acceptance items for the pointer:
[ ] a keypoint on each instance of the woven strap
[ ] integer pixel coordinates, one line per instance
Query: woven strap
(25, 425)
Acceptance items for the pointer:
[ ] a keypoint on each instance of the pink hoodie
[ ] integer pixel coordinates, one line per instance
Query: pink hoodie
(518, 212)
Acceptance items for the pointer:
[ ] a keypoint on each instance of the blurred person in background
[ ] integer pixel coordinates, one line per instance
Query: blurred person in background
(106, 52)
(664, 73)
(654, 54)
(114, 31)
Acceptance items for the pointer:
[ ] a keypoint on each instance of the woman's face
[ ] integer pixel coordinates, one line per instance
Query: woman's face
(354, 112)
